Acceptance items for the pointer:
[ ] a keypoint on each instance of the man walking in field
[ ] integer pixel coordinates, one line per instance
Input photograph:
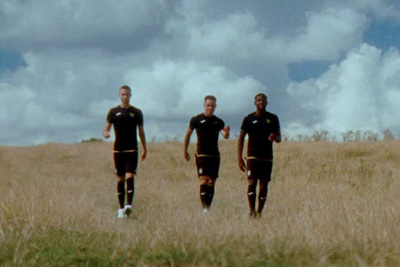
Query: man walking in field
(263, 129)
(126, 119)
(208, 126)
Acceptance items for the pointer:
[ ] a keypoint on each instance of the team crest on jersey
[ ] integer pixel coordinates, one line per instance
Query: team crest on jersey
(131, 114)
(268, 121)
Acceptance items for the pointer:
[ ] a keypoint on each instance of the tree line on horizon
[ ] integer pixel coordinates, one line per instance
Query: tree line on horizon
(317, 136)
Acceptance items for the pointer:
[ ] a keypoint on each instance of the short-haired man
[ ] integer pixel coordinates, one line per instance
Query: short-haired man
(126, 119)
(208, 126)
(263, 129)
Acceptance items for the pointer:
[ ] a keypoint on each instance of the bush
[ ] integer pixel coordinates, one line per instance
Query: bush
(92, 140)
(387, 135)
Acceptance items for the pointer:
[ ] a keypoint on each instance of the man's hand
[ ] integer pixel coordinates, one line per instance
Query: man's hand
(106, 134)
(143, 156)
(242, 165)
(272, 137)
(225, 131)
(186, 155)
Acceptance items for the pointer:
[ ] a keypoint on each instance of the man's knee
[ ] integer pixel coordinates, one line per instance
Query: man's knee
(252, 182)
(264, 184)
(206, 180)
(129, 175)
(263, 188)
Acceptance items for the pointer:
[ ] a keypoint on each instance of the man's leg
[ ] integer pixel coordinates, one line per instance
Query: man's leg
(262, 196)
(130, 192)
(130, 167)
(210, 189)
(130, 184)
(264, 181)
(203, 191)
(212, 174)
(120, 172)
(251, 196)
(121, 191)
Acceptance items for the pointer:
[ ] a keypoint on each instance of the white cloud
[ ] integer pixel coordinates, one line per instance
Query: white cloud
(12, 99)
(239, 36)
(78, 93)
(359, 93)
(171, 88)
(326, 36)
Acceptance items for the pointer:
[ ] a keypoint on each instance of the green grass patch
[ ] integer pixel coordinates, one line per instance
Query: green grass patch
(58, 247)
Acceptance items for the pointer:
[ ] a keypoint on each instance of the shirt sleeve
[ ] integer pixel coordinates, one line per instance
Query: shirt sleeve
(276, 124)
(192, 123)
(245, 125)
(109, 116)
(140, 118)
(221, 124)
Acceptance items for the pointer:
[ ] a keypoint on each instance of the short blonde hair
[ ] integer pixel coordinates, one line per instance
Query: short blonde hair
(125, 87)
(210, 97)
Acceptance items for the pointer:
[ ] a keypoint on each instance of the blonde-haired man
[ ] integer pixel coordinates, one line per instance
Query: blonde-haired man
(126, 119)
(208, 126)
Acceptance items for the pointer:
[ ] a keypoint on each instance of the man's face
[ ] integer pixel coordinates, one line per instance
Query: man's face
(209, 107)
(125, 96)
(260, 102)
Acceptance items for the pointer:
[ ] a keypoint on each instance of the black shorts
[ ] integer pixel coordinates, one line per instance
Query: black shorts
(208, 166)
(259, 169)
(125, 162)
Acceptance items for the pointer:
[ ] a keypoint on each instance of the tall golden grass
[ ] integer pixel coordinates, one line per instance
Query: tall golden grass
(328, 204)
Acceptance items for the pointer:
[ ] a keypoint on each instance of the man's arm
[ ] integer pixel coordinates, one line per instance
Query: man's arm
(106, 131)
(241, 164)
(225, 131)
(276, 136)
(142, 137)
(186, 143)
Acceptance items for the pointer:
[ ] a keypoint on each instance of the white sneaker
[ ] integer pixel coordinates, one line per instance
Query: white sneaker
(121, 213)
(128, 210)
(205, 210)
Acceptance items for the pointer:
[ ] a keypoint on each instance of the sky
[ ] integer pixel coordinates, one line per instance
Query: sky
(325, 65)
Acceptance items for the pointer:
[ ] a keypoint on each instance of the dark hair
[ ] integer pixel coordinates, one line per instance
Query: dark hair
(210, 97)
(261, 94)
(125, 87)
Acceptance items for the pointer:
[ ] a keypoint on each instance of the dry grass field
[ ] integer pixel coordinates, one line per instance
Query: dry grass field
(330, 204)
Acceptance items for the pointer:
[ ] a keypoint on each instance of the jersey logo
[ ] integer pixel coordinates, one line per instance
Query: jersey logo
(202, 121)
(268, 121)
(131, 114)
(118, 113)
(254, 122)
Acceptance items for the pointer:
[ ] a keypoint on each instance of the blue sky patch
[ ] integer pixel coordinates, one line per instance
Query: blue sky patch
(10, 60)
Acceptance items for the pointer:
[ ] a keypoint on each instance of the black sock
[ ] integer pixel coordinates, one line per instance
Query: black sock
(262, 198)
(251, 196)
(203, 195)
(210, 195)
(121, 194)
(130, 190)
